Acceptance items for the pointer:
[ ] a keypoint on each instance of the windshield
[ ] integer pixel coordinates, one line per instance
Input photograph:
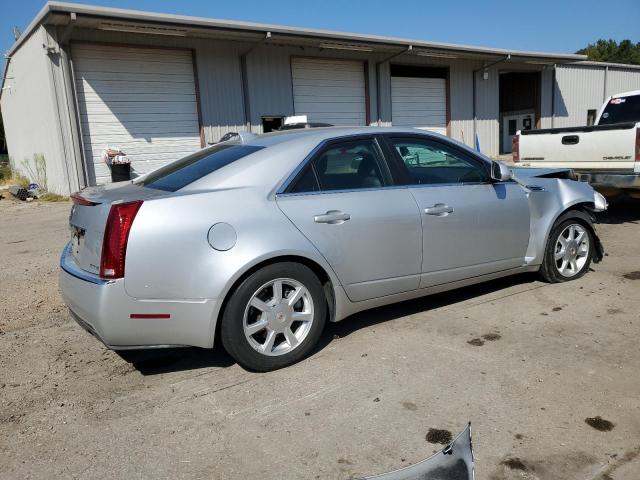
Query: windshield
(179, 174)
(621, 110)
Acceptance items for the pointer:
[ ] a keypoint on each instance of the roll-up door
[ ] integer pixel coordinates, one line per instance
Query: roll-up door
(140, 100)
(419, 102)
(329, 91)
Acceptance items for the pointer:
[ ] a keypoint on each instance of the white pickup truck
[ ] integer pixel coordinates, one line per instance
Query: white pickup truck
(607, 154)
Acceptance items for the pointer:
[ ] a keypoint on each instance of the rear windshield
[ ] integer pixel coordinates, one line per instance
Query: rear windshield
(621, 110)
(179, 174)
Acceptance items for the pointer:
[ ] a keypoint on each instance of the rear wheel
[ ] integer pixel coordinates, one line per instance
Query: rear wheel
(275, 317)
(569, 252)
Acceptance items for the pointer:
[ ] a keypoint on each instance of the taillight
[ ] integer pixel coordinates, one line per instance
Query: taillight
(116, 235)
(80, 200)
(515, 148)
(638, 144)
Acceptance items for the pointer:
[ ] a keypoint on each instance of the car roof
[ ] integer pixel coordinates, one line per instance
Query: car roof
(320, 134)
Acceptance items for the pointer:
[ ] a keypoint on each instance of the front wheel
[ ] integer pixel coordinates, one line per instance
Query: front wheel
(569, 252)
(275, 317)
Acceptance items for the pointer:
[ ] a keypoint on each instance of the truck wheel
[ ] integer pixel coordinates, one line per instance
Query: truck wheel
(275, 317)
(569, 252)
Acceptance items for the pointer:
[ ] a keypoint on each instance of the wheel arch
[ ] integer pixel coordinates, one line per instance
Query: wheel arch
(582, 211)
(326, 279)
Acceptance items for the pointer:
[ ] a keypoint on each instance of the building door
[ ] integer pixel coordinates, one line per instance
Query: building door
(419, 103)
(419, 97)
(511, 124)
(139, 100)
(329, 91)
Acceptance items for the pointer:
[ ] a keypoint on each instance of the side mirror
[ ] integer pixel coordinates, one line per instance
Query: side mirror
(500, 172)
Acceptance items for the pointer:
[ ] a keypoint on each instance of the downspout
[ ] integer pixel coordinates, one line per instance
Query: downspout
(604, 90)
(553, 97)
(72, 104)
(378, 79)
(475, 95)
(245, 80)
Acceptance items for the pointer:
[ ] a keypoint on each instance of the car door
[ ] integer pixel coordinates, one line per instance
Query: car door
(367, 229)
(471, 224)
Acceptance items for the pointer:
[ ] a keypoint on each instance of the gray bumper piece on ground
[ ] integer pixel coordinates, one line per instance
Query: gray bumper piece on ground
(454, 462)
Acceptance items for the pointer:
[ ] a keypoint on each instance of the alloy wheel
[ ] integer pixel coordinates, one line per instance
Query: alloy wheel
(571, 250)
(278, 316)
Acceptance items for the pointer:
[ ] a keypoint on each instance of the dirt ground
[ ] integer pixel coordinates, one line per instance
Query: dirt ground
(527, 363)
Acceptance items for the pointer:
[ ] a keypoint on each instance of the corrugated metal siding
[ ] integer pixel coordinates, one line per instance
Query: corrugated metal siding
(546, 97)
(461, 98)
(578, 89)
(488, 112)
(220, 84)
(31, 121)
(622, 80)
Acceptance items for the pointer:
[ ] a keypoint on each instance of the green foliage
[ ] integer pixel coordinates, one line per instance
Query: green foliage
(52, 197)
(611, 51)
(38, 172)
(9, 177)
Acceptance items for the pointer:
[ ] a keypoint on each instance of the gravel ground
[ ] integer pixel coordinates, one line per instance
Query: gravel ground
(527, 363)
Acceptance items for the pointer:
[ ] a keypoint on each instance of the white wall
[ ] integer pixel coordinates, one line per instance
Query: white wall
(30, 117)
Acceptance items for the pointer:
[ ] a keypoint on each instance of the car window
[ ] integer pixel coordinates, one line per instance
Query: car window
(621, 110)
(345, 166)
(179, 174)
(429, 162)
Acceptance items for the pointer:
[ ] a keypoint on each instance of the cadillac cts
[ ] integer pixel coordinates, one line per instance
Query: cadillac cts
(258, 241)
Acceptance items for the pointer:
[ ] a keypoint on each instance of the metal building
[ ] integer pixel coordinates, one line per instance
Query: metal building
(82, 78)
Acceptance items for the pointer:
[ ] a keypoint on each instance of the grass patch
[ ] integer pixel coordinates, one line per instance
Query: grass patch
(52, 197)
(9, 177)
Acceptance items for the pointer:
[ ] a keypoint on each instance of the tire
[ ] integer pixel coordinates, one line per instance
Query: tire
(264, 326)
(580, 250)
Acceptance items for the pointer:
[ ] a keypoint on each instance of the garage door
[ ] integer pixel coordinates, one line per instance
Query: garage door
(329, 91)
(142, 101)
(419, 102)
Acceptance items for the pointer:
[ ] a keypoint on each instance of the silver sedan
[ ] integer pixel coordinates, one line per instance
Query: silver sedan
(258, 241)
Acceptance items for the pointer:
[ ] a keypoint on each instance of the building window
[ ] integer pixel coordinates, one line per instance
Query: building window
(591, 117)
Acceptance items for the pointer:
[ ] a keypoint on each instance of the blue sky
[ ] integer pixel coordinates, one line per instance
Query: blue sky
(542, 25)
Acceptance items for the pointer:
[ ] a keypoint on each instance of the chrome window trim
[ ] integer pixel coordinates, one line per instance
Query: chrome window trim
(347, 190)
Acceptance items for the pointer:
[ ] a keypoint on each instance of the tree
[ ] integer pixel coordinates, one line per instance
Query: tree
(611, 51)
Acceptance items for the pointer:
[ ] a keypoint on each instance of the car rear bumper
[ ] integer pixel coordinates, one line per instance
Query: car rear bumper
(105, 310)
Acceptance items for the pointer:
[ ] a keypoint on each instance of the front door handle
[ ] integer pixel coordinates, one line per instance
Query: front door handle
(332, 217)
(439, 210)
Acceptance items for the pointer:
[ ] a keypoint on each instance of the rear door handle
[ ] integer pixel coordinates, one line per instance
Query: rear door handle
(332, 217)
(439, 210)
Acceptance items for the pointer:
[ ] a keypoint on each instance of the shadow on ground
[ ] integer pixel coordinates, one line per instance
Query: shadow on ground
(621, 210)
(154, 362)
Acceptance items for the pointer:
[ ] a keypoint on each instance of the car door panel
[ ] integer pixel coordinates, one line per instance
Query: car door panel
(471, 225)
(486, 231)
(377, 251)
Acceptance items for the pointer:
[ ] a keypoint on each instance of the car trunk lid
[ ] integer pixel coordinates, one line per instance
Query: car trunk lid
(89, 215)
